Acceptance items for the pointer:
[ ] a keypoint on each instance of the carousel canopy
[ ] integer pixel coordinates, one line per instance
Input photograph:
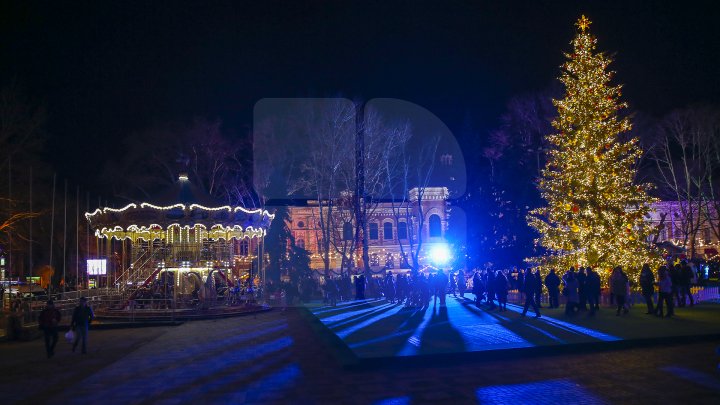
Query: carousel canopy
(182, 206)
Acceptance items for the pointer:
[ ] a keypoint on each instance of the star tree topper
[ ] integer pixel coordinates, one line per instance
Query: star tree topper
(583, 23)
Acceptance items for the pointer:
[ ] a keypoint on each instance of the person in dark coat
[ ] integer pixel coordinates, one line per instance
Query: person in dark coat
(647, 287)
(538, 288)
(501, 290)
(82, 316)
(592, 290)
(441, 283)
(686, 277)
(360, 287)
(582, 295)
(675, 276)
(461, 283)
(490, 288)
(48, 320)
(529, 288)
(477, 288)
(552, 283)
(618, 286)
(571, 293)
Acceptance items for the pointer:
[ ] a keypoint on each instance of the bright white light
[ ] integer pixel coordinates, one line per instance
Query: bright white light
(96, 267)
(440, 254)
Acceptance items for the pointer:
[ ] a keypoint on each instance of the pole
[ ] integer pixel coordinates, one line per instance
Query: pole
(52, 223)
(77, 240)
(9, 257)
(64, 278)
(87, 245)
(30, 244)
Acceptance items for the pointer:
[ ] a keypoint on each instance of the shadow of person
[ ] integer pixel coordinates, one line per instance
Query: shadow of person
(440, 336)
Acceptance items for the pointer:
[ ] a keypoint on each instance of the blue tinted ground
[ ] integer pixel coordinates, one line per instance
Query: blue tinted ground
(377, 328)
(291, 358)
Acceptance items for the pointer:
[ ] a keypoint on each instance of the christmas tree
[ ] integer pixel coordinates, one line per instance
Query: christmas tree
(595, 213)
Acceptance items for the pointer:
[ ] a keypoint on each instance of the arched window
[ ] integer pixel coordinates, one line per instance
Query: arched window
(402, 230)
(387, 230)
(347, 231)
(373, 231)
(300, 243)
(244, 247)
(435, 227)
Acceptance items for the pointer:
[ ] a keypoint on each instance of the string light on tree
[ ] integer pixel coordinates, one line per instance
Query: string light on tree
(595, 212)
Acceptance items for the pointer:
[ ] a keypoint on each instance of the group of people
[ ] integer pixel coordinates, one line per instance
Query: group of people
(49, 320)
(674, 285)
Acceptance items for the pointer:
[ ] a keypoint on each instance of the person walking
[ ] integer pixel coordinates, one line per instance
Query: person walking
(441, 283)
(529, 290)
(582, 290)
(501, 290)
(477, 288)
(48, 321)
(490, 287)
(686, 278)
(664, 293)
(461, 283)
(647, 287)
(538, 288)
(618, 287)
(675, 278)
(552, 283)
(360, 287)
(82, 316)
(592, 290)
(571, 293)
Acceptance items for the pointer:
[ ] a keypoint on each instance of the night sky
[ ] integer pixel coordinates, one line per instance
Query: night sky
(104, 69)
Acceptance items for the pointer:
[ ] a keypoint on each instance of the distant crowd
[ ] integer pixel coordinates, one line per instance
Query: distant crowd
(580, 289)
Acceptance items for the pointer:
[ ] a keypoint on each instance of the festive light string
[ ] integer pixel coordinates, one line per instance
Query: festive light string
(263, 213)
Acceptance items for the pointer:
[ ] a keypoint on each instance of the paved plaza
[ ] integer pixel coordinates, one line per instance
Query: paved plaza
(290, 357)
(378, 328)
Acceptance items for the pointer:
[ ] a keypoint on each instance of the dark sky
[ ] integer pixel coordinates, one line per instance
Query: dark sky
(105, 68)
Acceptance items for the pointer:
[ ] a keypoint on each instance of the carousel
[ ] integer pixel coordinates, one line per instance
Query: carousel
(182, 253)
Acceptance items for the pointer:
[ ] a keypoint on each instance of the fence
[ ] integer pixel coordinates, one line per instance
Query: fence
(700, 294)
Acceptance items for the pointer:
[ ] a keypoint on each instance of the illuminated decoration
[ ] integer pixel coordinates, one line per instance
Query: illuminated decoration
(187, 234)
(595, 213)
(96, 267)
(583, 23)
(440, 254)
(225, 222)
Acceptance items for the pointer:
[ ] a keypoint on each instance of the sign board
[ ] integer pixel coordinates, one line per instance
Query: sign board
(97, 267)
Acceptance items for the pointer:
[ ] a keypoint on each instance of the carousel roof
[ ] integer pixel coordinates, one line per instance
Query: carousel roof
(183, 205)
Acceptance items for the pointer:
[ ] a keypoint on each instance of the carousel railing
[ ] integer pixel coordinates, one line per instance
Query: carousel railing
(125, 275)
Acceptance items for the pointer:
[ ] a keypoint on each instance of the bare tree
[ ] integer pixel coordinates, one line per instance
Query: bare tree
(408, 177)
(681, 156)
(218, 163)
(329, 128)
(710, 123)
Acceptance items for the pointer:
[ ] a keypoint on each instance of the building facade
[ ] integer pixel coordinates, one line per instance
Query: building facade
(397, 232)
(683, 228)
